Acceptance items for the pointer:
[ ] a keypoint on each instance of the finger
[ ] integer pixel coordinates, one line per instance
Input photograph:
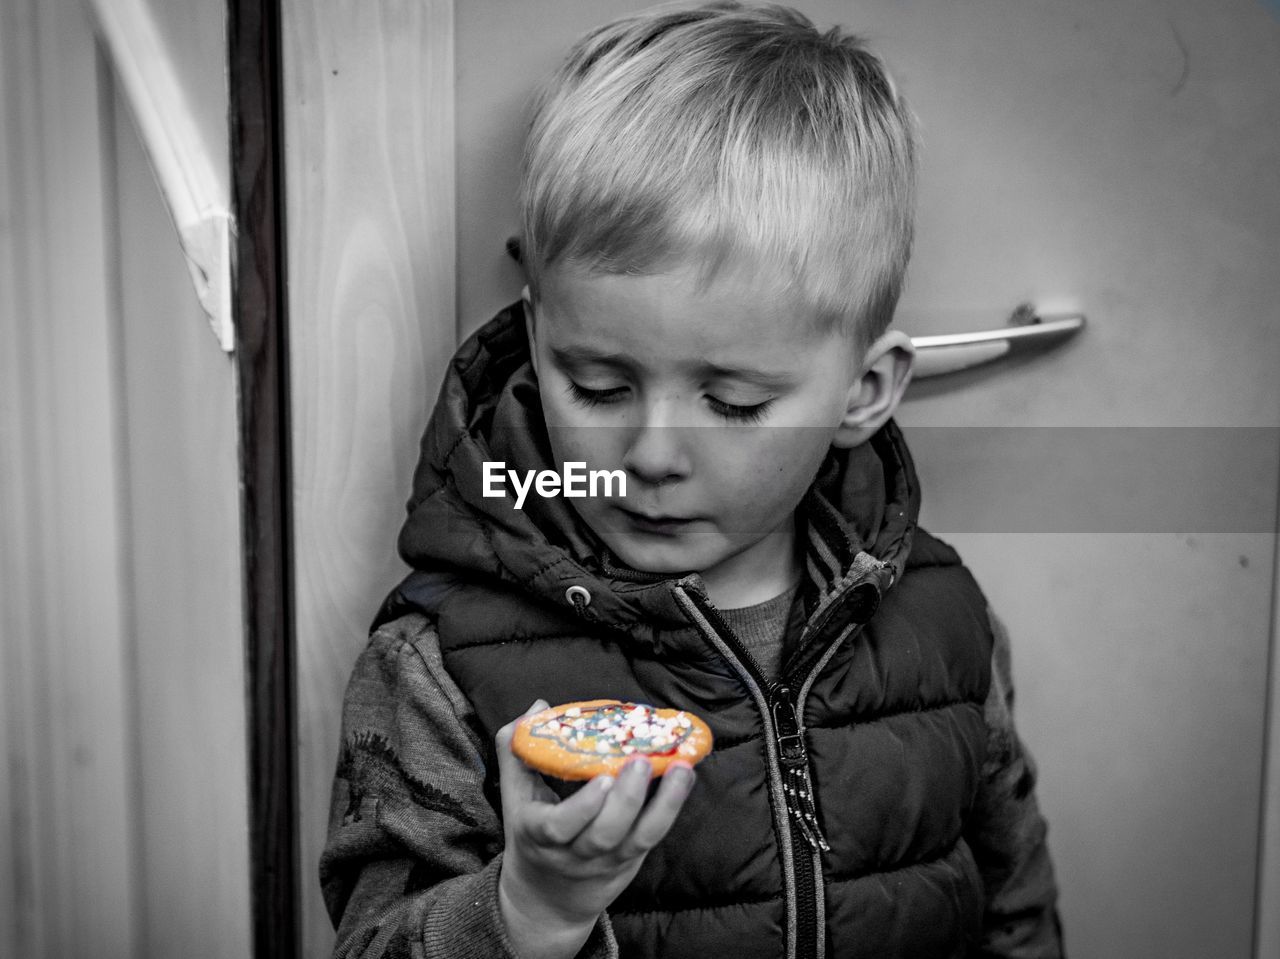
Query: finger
(517, 781)
(661, 811)
(561, 823)
(619, 812)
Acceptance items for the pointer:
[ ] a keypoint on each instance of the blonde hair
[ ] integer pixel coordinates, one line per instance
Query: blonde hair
(725, 131)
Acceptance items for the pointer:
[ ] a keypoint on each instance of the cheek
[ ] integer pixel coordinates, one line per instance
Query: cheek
(555, 401)
(776, 468)
(563, 418)
(597, 446)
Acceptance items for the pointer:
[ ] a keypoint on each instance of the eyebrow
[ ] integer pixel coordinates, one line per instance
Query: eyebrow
(583, 355)
(751, 375)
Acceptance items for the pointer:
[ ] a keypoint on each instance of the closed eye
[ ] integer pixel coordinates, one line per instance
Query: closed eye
(587, 397)
(729, 411)
(739, 414)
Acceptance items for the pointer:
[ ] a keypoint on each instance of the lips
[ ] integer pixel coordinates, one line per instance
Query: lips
(661, 524)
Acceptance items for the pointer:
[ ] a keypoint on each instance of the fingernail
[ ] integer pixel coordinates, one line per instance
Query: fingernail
(637, 769)
(605, 783)
(683, 775)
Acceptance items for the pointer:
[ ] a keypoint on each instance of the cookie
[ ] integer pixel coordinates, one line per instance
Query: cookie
(581, 740)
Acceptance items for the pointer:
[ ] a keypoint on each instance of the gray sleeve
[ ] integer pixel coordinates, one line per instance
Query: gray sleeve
(1008, 833)
(414, 849)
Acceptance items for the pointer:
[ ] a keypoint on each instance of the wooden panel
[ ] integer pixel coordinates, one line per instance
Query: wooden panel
(73, 830)
(370, 220)
(183, 568)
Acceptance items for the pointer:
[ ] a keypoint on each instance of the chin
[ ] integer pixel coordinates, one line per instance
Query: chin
(665, 558)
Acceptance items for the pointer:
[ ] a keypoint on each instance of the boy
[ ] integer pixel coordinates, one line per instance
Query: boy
(717, 210)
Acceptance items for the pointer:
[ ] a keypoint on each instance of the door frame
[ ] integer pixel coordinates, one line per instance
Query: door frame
(260, 312)
(1266, 940)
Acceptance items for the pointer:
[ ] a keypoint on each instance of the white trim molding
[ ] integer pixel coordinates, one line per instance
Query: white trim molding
(194, 184)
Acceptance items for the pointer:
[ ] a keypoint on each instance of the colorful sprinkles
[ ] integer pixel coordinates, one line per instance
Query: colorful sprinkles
(616, 729)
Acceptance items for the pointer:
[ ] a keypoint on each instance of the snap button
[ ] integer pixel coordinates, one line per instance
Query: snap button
(578, 595)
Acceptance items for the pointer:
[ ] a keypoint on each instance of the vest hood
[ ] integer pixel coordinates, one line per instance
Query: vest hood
(864, 500)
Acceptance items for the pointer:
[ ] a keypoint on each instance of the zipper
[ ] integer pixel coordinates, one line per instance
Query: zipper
(789, 769)
(794, 757)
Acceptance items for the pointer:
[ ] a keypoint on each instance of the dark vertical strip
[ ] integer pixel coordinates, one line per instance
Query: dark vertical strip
(1263, 917)
(262, 373)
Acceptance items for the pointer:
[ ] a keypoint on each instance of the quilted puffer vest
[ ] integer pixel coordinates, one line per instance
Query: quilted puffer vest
(829, 818)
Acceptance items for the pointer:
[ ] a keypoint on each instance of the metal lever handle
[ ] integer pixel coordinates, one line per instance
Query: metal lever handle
(1028, 331)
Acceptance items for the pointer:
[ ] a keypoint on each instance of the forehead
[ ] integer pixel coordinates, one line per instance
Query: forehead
(734, 317)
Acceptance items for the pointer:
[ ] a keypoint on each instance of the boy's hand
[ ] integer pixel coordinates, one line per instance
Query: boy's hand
(566, 861)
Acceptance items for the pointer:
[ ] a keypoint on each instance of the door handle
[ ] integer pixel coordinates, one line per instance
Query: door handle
(1027, 331)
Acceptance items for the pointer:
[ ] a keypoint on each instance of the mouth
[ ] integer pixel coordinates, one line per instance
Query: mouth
(658, 524)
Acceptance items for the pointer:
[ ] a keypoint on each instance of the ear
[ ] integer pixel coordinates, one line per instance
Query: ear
(529, 325)
(875, 395)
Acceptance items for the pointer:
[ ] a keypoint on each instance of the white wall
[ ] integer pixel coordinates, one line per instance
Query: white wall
(185, 648)
(124, 813)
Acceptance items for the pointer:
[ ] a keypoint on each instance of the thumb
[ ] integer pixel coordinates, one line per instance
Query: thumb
(504, 734)
(515, 776)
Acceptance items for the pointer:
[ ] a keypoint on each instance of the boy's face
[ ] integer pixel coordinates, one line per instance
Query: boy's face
(719, 402)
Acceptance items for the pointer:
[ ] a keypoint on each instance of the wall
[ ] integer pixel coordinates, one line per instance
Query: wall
(68, 826)
(124, 808)
(182, 564)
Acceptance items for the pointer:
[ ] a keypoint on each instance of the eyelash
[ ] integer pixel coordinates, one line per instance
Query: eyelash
(741, 414)
(738, 414)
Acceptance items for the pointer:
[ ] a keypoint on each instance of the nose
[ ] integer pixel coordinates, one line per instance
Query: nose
(658, 452)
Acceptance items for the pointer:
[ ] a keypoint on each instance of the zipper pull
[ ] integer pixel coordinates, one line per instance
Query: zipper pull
(794, 757)
(786, 724)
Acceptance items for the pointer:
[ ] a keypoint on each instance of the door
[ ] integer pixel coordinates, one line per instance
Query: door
(1121, 159)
